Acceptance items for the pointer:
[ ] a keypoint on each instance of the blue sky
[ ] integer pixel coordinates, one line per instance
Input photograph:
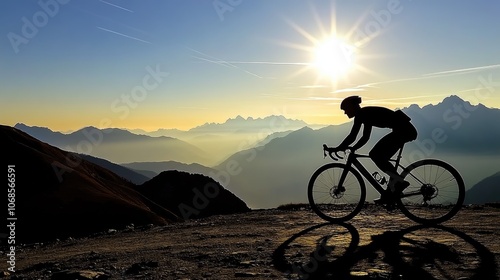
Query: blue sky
(68, 64)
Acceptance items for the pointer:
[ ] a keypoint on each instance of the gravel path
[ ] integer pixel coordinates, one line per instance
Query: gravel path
(277, 244)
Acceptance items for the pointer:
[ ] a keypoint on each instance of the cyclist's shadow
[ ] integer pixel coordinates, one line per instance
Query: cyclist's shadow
(332, 251)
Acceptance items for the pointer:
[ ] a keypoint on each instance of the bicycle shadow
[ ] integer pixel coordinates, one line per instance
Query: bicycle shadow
(332, 251)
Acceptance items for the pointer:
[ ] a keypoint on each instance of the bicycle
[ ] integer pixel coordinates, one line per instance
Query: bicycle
(337, 191)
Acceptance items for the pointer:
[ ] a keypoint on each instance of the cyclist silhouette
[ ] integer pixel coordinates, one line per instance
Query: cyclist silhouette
(402, 132)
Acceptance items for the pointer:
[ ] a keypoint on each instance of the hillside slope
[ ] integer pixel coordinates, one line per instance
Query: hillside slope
(58, 194)
(488, 190)
(122, 171)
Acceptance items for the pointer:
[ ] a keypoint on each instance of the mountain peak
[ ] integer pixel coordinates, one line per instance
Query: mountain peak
(22, 126)
(448, 102)
(453, 97)
(239, 123)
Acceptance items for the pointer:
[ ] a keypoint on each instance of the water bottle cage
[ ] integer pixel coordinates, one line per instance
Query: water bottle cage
(381, 179)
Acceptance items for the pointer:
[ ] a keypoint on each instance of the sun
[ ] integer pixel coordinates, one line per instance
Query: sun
(333, 57)
(333, 54)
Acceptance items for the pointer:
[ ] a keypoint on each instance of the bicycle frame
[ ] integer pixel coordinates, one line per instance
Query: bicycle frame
(352, 160)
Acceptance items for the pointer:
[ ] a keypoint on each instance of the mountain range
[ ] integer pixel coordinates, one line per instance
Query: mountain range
(220, 140)
(274, 168)
(110, 144)
(207, 144)
(236, 125)
(464, 135)
(60, 194)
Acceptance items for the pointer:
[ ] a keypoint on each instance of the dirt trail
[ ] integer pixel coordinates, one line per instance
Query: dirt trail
(277, 244)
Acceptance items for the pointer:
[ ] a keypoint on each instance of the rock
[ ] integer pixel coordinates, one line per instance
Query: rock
(246, 274)
(247, 263)
(79, 275)
(359, 274)
(136, 268)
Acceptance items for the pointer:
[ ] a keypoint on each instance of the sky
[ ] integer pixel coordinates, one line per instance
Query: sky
(150, 64)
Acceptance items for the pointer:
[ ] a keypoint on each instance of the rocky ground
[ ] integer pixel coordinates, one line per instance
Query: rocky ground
(277, 244)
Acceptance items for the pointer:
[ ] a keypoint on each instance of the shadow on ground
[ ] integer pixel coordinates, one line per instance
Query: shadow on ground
(333, 251)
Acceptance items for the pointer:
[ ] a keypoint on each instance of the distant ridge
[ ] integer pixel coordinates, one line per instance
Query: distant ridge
(124, 172)
(486, 191)
(207, 144)
(276, 122)
(111, 144)
(158, 167)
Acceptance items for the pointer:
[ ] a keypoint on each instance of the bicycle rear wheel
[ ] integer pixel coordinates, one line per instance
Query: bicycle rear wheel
(331, 201)
(436, 192)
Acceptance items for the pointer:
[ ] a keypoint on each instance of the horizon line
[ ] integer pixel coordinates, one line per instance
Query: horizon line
(369, 101)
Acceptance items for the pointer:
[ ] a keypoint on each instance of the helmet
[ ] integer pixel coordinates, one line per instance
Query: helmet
(350, 101)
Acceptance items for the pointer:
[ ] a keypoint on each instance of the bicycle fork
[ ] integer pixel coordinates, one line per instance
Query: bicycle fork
(343, 176)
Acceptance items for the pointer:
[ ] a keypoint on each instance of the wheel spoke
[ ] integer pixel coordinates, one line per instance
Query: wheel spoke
(331, 201)
(436, 192)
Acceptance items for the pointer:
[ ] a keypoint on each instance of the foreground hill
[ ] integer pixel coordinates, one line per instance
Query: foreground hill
(191, 195)
(59, 194)
(278, 244)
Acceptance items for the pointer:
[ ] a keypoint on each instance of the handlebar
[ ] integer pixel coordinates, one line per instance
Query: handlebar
(329, 151)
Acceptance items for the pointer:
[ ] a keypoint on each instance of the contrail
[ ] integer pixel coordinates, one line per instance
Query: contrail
(432, 75)
(349, 90)
(116, 6)
(222, 63)
(402, 98)
(459, 71)
(121, 34)
(310, 98)
(227, 64)
(270, 63)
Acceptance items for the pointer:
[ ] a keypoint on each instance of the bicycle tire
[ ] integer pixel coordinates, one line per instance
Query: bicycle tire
(331, 206)
(441, 188)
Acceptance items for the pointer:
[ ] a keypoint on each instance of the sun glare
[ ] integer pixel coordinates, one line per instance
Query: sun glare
(333, 58)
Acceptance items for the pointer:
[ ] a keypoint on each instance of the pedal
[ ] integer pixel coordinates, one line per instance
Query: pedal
(390, 207)
(378, 201)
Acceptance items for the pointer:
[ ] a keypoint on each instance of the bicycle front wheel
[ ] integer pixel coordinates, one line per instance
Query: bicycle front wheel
(436, 192)
(330, 200)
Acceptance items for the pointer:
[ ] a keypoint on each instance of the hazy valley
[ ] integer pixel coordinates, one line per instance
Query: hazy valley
(269, 161)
